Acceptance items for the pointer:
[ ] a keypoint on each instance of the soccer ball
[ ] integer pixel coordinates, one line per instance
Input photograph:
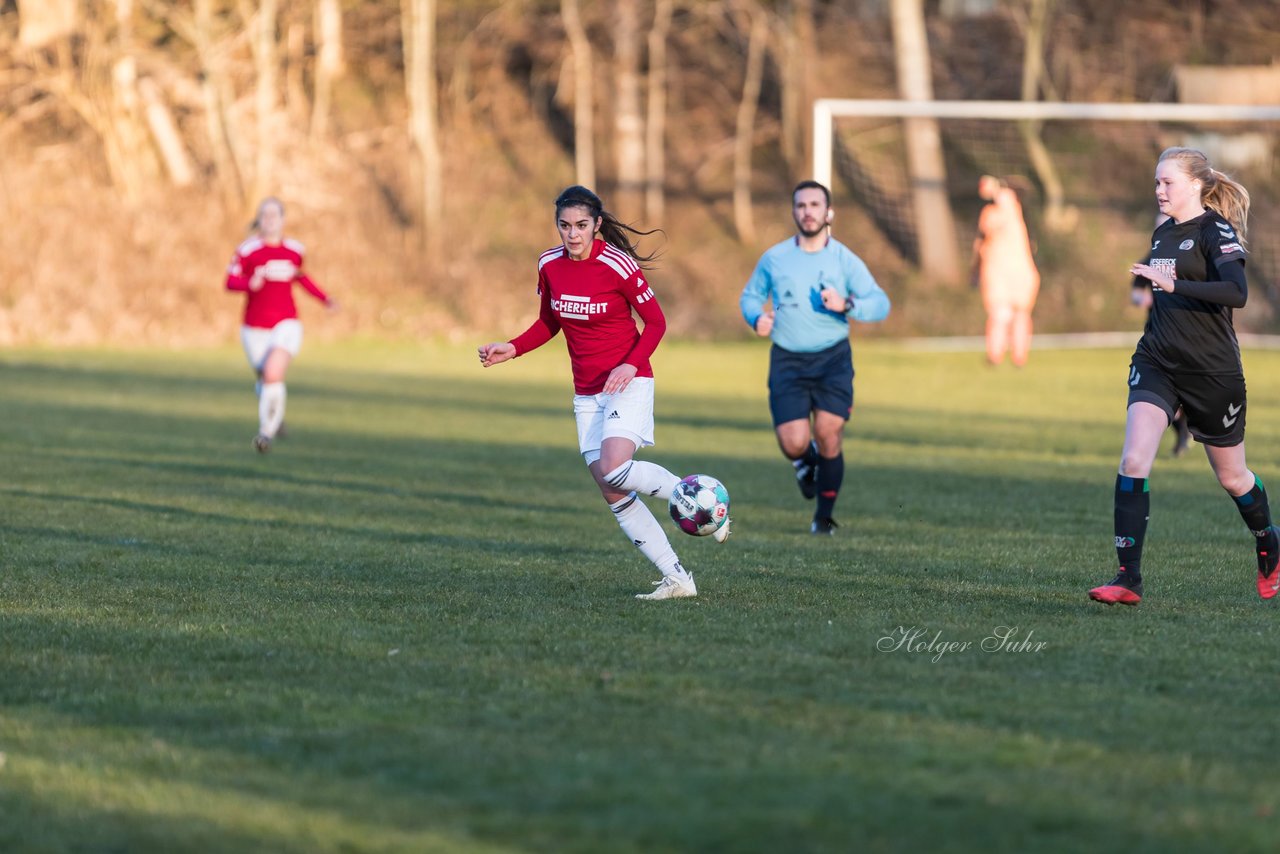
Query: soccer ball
(699, 505)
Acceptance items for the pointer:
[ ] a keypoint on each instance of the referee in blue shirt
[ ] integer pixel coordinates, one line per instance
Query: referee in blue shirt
(816, 285)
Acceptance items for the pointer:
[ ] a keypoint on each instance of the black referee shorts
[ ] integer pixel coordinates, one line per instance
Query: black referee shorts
(1215, 404)
(800, 383)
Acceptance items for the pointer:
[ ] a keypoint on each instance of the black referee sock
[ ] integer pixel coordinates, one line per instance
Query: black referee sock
(809, 459)
(1133, 509)
(830, 476)
(1256, 513)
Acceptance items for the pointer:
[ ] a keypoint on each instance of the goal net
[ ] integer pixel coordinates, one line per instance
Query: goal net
(1085, 172)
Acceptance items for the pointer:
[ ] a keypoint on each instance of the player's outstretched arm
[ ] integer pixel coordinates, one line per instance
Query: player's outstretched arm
(496, 353)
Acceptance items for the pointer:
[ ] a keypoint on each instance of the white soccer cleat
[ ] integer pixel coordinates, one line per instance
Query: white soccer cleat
(722, 533)
(671, 587)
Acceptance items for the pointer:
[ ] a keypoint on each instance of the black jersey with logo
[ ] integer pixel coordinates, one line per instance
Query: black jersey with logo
(1185, 334)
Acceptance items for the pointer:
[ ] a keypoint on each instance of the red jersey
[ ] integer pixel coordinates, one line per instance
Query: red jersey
(281, 266)
(591, 300)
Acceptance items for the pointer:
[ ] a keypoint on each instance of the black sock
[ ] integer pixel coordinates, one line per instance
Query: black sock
(1133, 509)
(1256, 513)
(808, 458)
(830, 476)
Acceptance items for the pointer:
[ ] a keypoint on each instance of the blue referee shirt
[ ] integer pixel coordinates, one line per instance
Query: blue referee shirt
(794, 281)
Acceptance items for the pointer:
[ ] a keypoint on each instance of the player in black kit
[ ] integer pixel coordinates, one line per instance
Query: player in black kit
(1188, 356)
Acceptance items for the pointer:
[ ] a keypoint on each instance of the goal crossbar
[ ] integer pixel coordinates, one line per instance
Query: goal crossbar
(825, 110)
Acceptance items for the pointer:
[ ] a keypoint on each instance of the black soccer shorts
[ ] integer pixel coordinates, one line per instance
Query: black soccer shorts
(800, 383)
(1215, 404)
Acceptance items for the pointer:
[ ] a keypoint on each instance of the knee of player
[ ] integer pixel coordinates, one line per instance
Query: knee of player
(1134, 464)
(614, 475)
(610, 495)
(829, 442)
(1235, 481)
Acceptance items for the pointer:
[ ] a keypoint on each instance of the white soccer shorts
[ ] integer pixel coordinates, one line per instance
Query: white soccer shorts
(258, 342)
(628, 415)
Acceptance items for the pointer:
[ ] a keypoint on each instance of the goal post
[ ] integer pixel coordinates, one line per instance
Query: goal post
(1084, 173)
(826, 110)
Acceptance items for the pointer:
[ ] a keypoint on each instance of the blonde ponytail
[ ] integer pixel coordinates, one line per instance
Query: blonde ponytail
(1229, 198)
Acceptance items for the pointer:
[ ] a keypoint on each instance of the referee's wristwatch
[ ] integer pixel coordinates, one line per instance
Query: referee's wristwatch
(848, 306)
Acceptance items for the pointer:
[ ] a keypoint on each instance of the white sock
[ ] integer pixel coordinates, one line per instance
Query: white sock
(270, 408)
(640, 526)
(643, 477)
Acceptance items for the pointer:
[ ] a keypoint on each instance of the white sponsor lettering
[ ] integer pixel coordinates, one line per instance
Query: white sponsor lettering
(1168, 266)
(578, 308)
(279, 270)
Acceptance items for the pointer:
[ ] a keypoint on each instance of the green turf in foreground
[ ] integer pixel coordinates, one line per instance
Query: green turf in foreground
(411, 627)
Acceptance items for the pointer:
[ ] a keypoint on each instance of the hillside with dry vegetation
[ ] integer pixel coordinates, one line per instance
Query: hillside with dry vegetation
(107, 239)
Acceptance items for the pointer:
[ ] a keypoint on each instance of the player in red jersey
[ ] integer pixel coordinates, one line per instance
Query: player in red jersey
(265, 267)
(589, 286)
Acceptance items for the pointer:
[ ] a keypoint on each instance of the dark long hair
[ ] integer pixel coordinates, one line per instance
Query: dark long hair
(614, 231)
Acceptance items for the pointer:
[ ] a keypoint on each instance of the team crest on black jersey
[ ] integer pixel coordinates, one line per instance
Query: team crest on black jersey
(1186, 244)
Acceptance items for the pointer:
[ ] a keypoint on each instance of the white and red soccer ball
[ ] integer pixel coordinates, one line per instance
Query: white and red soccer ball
(699, 505)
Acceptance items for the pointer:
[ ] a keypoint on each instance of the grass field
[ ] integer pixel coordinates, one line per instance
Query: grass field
(411, 626)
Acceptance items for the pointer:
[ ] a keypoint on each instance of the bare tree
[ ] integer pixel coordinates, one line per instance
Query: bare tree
(125, 131)
(200, 31)
(164, 130)
(295, 91)
(655, 155)
(99, 82)
(935, 226)
(1057, 215)
(799, 55)
(584, 137)
(628, 115)
(266, 103)
(418, 22)
(43, 21)
(330, 62)
(744, 135)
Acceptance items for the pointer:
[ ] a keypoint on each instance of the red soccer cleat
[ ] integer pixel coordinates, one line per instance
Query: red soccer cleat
(1120, 590)
(1268, 577)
